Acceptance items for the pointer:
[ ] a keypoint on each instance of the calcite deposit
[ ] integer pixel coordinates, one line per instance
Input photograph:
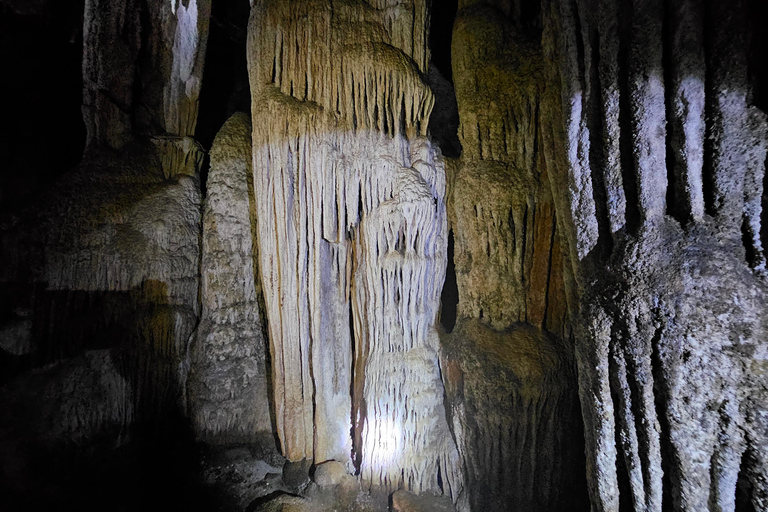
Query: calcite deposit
(352, 234)
(228, 386)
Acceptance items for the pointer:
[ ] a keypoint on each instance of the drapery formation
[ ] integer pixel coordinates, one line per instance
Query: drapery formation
(352, 235)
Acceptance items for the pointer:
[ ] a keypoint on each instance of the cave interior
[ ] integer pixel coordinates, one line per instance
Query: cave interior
(373, 255)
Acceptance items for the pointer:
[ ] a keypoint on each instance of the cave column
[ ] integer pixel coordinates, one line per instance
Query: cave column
(352, 236)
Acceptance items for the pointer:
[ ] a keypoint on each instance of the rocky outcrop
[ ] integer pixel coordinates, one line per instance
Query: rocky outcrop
(228, 387)
(352, 236)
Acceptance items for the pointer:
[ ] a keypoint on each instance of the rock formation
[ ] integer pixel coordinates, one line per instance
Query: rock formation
(142, 73)
(508, 363)
(228, 385)
(107, 263)
(599, 218)
(661, 231)
(352, 232)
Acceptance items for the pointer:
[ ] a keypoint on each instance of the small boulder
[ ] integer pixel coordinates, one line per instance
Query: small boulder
(296, 473)
(331, 473)
(286, 503)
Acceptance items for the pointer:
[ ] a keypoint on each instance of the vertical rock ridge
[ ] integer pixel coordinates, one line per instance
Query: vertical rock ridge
(228, 382)
(683, 409)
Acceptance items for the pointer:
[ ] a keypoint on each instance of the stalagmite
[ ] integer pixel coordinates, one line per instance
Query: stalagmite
(352, 237)
(228, 383)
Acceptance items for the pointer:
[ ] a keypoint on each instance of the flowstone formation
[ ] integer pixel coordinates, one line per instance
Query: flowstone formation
(103, 270)
(352, 235)
(508, 364)
(657, 162)
(515, 413)
(507, 252)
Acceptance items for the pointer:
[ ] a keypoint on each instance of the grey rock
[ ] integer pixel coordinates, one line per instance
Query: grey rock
(229, 395)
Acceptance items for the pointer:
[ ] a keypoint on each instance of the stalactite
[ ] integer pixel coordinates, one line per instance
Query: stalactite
(352, 232)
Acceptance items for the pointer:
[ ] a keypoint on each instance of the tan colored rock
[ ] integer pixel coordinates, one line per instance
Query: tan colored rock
(515, 411)
(286, 503)
(352, 235)
(331, 473)
(507, 249)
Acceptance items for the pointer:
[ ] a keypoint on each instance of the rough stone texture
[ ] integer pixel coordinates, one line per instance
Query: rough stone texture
(404, 501)
(332, 473)
(286, 503)
(508, 365)
(352, 235)
(670, 323)
(109, 260)
(228, 388)
(507, 253)
(515, 409)
(142, 69)
(242, 473)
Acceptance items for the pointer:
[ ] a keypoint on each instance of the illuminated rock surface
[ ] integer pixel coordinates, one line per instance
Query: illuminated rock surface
(352, 232)
(661, 231)
(228, 387)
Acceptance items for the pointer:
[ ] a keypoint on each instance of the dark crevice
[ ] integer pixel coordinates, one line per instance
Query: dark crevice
(748, 241)
(442, 16)
(660, 392)
(622, 471)
(628, 171)
(744, 487)
(225, 88)
(757, 72)
(597, 158)
(580, 59)
(676, 207)
(449, 297)
(356, 431)
(708, 170)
